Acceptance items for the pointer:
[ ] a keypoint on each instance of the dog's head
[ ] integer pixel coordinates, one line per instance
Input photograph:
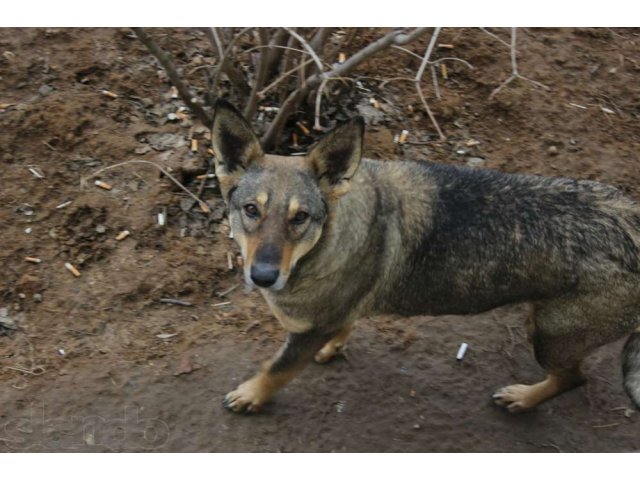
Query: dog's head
(278, 205)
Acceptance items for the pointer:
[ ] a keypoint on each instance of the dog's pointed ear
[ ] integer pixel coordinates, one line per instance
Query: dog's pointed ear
(337, 156)
(234, 143)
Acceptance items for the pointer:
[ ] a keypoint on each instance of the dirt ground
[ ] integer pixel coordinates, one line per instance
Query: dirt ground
(98, 363)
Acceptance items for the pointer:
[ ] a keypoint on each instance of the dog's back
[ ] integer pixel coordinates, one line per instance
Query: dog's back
(464, 240)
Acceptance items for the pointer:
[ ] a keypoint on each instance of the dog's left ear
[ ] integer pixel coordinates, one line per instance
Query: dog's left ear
(337, 156)
(234, 143)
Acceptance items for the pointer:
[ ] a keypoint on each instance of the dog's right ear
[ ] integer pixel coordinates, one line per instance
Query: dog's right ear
(234, 143)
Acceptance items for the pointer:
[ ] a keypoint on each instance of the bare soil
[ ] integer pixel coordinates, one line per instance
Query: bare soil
(98, 363)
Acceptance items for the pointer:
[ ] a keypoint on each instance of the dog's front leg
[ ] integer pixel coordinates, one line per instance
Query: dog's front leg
(277, 372)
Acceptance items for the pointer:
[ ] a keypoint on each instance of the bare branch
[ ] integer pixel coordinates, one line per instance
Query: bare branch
(167, 63)
(307, 47)
(514, 69)
(295, 97)
(418, 80)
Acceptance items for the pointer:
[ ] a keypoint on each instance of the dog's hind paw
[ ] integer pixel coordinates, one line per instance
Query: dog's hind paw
(243, 399)
(516, 398)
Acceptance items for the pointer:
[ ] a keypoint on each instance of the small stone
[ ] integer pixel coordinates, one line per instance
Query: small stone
(552, 150)
(475, 162)
(37, 297)
(101, 229)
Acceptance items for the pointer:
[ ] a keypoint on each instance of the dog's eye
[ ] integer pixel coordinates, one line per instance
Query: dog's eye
(300, 218)
(251, 210)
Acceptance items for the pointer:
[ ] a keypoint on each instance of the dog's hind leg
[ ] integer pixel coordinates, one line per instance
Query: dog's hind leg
(277, 372)
(335, 345)
(560, 343)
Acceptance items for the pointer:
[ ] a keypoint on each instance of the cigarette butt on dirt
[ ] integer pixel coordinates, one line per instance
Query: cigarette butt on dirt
(36, 173)
(181, 115)
(204, 207)
(109, 94)
(230, 260)
(303, 128)
(230, 233)
(5, 105)
(461, 351)
(211, 152)
(374, 102)
(161, 219)
(32, 260)
(194, 145)
(72, 269)
(403, 136)
(173, 91)
(448, 46)
(103, 185)
(64, 204)
(445, 72)
(205, 176)
(342, 57)
(123, 234)
(396, 138)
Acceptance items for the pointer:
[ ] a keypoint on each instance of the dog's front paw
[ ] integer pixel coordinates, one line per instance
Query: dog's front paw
(244, 399)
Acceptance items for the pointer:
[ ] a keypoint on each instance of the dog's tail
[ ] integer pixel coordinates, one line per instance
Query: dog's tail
(631, 367)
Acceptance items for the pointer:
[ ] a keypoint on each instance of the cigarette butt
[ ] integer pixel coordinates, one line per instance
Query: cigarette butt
(443, 69)
(230, 233)
(396, 138)
(33, 260)
(65, 204)
(72, 269)
(204, 207)
(461, 351)
(446, 45)
(211, 152)
(205, 176)
(161, 219)
(194, 145)
(403, 136)
(181, 115)
(230, 260)
(304, 129)
(5, 105)
(173, 91)
(374, 102)
(103, 185)
(342, 57)
(109, 94)
(123, 234)
(36, 173)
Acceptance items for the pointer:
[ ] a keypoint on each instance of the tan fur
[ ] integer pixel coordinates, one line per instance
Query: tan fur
(520, 398)
(333, 346)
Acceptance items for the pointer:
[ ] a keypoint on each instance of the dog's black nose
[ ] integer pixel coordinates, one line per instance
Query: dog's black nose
(264, 275)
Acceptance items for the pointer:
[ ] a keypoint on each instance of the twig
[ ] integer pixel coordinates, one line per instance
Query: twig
(494, 36)
(514, 69)
(224, 63)
(173, 301)
(418, 80)
(277, 81)
(203, 205)
(167, 63)
(308, 48)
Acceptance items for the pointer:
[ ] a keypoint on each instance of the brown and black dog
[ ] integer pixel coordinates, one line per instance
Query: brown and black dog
(330, 238)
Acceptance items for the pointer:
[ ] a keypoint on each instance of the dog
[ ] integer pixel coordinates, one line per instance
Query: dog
(330, 238)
